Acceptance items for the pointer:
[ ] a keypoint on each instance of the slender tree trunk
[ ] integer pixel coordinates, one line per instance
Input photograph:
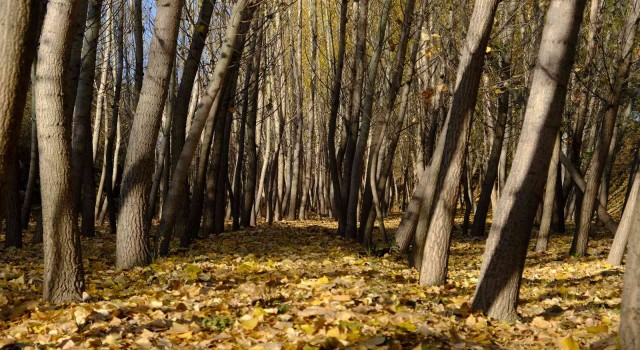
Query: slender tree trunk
(548, 200)
(139, 48)
(180, 113)
(18, 23)
(626, 226)
(248, 214)
(503, 262)
(596, 168)
(81, 142)
(336, 87)
(208, 106)
(630, 313)
(132, 247)
(367, 113)
(433, 232)
(63, 272)
(13, 237)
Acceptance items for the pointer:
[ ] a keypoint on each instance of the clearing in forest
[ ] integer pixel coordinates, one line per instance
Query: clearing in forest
(297, 286)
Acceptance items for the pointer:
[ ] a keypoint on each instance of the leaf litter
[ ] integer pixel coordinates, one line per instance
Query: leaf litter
(297, 286)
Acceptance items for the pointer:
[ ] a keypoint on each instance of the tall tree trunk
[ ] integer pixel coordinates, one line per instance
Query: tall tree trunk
(132, 240)
(81, 142)
(63, 273)
(180, 113)
(614, 95)
(380, 131)
(18, 40)
(548, 200)
(248, 215)
(365, 124)
(504, 69)
(111, 137)
(433, 232)
(13, 237)
(139, 48)
(630, 313)
(506, 249)
(208, 107)
(336, 87)
(626, 226)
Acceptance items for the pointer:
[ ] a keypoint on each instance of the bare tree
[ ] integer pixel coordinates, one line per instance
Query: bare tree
(132, 240)
(503, 262)
(63, 273)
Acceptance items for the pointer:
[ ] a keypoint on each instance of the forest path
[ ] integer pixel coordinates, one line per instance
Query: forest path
(295, 285)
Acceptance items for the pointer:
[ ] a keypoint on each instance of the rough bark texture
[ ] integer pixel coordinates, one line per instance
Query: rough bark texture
(596, 168)
(549, 199)
(630, 313)
(438, 211)
(206, 108)
(626, 227)
(499, 283)
(336, 86)
(17, 50)
(132, 241)
(63, 273)
(81, 141)
(180, 112)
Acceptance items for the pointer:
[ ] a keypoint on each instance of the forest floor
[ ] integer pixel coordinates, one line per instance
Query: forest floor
(297, 286)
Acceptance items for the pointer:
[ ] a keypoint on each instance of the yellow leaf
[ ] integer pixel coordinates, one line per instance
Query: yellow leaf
(601, 328)
(569, 344)
(561, 276)
(489, 49)
(323, 280)
(335, 333)
(249, 324)
(407, 326)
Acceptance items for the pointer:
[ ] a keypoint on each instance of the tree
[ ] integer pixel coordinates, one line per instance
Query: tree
(132, 240)
(433, 232)
(506, 249)
(630, 312)
(611, 106)
(209, 106)
(83, 176)
(17, 49)
(63, 272)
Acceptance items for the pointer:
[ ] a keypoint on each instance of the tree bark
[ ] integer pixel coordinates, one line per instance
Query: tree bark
(81, 142)
(629, 332)
(18, 23)
(208, 106)
(433, 232)
(549, 198)
(132, 247)
(63, 272)
(505, 253)
(613, 98)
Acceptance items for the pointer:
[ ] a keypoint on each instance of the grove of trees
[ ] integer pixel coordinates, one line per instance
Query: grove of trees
(171, 121)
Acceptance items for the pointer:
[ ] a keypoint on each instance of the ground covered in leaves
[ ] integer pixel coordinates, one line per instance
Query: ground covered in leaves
(297, 286)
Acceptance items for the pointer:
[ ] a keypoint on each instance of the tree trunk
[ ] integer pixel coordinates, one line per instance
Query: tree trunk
(336, 86)
(18, 23)
(180, 113)
(139, 48)
(365, 124)
(63, 273)
(81, 141)
(433, 232)
(13, 237)
(132, 240)
(505, 253)
(626, 225)
(630, 311)
(208, 106)
(549, 197)
(596, 168)
(248, 214)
